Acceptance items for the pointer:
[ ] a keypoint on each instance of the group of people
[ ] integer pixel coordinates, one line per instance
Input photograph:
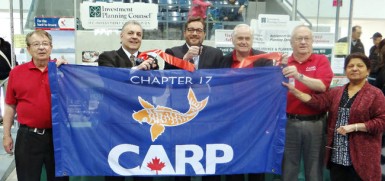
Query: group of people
(356, 117)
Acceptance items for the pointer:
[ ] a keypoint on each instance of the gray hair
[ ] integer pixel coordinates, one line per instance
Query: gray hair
(242, 26)
(296, 29)
(132, 22)
(41, 33)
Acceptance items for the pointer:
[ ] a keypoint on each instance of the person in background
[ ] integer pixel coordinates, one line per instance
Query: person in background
(374, 57)
(127, 57)
(199, 8)
(5, 59)
(5, 67)
(231, 12)
(355, 124)
(380, 68)
(310, 73)
(28, 95)
(356, 45)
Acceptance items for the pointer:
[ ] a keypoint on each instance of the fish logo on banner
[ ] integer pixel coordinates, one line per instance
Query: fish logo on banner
(159, 117)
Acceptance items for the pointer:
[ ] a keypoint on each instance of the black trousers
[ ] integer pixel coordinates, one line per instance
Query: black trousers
(32, 151)
(343, 173)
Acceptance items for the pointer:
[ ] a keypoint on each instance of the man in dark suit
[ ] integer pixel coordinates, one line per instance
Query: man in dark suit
(131, 39)
(202, 56)
(126, 57)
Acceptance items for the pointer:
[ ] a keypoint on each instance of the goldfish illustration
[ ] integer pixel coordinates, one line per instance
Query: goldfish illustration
(159, 117)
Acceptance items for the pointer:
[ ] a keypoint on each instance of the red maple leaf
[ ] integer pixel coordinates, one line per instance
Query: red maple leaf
(156, 165)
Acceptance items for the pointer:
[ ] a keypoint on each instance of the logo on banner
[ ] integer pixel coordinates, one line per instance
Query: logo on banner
(159, 117)
(95, 11)
(156, 165)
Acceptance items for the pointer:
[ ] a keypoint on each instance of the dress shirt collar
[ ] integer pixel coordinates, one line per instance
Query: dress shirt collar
(129, 54)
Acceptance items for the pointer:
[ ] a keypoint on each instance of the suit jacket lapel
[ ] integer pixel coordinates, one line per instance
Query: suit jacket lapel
(201, 58)
(125, 60)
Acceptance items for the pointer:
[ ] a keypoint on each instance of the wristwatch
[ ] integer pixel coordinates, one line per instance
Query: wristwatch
(300, 76)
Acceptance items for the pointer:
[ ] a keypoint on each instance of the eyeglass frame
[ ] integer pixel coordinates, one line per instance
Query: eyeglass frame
(38, 44)
(196, 30)
(306, 39)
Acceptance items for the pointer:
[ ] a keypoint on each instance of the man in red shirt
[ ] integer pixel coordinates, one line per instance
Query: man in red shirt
(310, 73)
(29, 95)
(242, 38)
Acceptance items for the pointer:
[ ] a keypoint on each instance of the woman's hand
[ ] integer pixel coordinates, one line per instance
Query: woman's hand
(346, 129)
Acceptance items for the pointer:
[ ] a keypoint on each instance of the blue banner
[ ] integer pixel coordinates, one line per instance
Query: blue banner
(114, 121)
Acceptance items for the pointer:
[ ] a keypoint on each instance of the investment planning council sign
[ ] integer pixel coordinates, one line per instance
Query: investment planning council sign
(113, 15)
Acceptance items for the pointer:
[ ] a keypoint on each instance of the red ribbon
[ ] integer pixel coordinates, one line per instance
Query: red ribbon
(251, 59)
(185, 65)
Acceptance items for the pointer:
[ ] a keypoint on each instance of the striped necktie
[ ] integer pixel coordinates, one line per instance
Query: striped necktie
(132, 60)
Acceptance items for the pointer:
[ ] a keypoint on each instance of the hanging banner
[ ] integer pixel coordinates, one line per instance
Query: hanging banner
(114, 121)
(55, 23)
(100, 15)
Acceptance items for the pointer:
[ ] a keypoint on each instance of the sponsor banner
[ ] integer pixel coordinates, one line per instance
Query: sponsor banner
(55, 23)
(273, 21)
(101, 15)
(113, 121)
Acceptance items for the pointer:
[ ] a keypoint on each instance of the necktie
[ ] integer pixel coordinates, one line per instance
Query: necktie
(132, 60)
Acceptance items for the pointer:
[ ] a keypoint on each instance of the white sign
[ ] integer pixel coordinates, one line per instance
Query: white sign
(223, 36)
(337, 65)
(272, 41)
(114, 15)
(272, 21)
(323, 38)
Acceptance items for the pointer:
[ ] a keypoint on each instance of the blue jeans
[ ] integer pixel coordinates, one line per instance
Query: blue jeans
(306, 139)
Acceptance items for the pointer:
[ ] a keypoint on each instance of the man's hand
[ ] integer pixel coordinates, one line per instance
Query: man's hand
(61, 61)
(8, 144)
(193, 51)
(148, 64)
(241, 9)
(284, 59)
(290, 71)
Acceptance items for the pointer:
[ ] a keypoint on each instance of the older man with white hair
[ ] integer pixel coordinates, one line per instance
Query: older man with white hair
(242, 38)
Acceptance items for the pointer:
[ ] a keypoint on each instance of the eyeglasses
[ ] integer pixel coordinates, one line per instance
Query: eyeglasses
(38, 44)
(300, 39)
(192, 30)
